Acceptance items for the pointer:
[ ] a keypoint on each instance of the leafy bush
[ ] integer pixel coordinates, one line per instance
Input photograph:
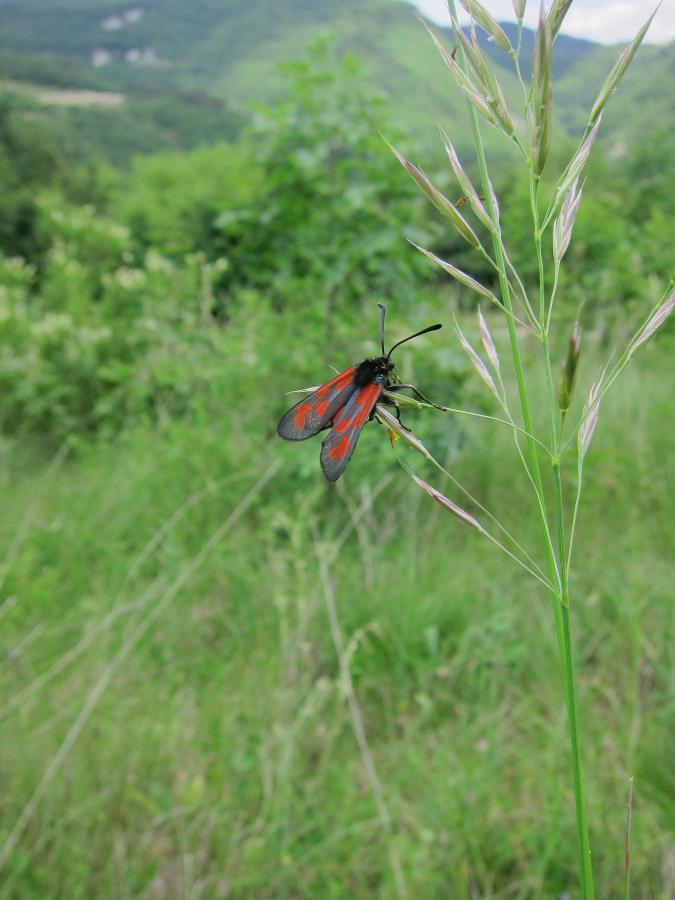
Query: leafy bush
(328, 197)
(106, 338)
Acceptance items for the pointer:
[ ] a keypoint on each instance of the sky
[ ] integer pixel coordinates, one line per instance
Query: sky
(604, 21)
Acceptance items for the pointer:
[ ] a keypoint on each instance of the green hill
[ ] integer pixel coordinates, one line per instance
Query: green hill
(190, 72)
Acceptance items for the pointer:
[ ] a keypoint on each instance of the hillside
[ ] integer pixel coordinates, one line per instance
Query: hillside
(189, 73)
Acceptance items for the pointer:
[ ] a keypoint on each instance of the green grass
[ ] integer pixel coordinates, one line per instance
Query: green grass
(220, 759)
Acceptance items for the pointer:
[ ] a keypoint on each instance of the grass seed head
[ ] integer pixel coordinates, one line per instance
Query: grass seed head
(576, 164)
(653, 324)
(618, 70)
(470, 90)
(445, 502)
(562, 228)
(401, 433)
(570, 365)
(519, 9)
(478, 12)
(477, 362)
(542, 92)
(440, 201)
(488, 343)
(556, 14)
(589, 419)
(466, 185)
(458, 274)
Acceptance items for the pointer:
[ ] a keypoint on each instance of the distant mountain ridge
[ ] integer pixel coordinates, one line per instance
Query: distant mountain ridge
(223, 54)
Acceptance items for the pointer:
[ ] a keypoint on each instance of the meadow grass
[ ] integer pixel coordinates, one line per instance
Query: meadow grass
(219, 759)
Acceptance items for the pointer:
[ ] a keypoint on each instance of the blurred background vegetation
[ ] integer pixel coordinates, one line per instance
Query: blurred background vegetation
(199, 214)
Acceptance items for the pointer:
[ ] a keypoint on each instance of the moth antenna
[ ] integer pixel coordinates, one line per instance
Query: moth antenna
(417, 334)
(383, 312)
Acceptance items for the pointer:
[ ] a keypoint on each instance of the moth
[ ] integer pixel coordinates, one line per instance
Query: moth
(345, 403)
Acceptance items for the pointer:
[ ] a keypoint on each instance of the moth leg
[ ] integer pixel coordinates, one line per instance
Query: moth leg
(398, 415)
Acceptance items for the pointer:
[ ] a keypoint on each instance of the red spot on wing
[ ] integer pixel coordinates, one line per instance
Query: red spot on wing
(321, 407)
(341, 448)
(369, 396)
(301, 413)
(345, 376)
(343, 424)
(338, 382)
(361, 417)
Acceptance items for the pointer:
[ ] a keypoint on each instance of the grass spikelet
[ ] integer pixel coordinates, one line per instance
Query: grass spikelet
(519, 9)
(440, 201)
(618, 71)
(466, 185)
(556, 14)
(542, 90)
(477, 362)
(458, 274)
(562, 228)
(570, 365)
(470, 90)
(653, 325)
(445, 502)
(488, 343)
(478, 12)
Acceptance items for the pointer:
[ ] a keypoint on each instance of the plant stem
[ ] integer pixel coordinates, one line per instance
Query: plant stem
(588, 890)
(557, 569)
(561, 604)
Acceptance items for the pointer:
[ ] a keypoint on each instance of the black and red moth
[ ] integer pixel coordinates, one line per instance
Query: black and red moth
(345, 404)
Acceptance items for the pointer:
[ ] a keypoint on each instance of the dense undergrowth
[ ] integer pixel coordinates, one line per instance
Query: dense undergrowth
(220, 757)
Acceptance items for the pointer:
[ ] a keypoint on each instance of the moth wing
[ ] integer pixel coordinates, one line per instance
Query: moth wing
(338, 446)
(313, 413)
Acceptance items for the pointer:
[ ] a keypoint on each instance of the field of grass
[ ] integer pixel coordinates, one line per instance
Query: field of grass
(174, 720)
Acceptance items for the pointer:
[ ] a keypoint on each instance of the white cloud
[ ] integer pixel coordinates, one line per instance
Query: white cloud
(605, 21)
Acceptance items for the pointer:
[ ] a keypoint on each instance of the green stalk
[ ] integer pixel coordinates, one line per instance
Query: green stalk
(570, 697)
(561, 603)
(561, 600)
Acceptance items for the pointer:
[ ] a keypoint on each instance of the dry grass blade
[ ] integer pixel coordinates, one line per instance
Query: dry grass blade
(619, 69)
(469, 282)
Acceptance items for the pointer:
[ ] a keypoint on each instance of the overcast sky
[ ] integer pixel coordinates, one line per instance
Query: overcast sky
(605, 21)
